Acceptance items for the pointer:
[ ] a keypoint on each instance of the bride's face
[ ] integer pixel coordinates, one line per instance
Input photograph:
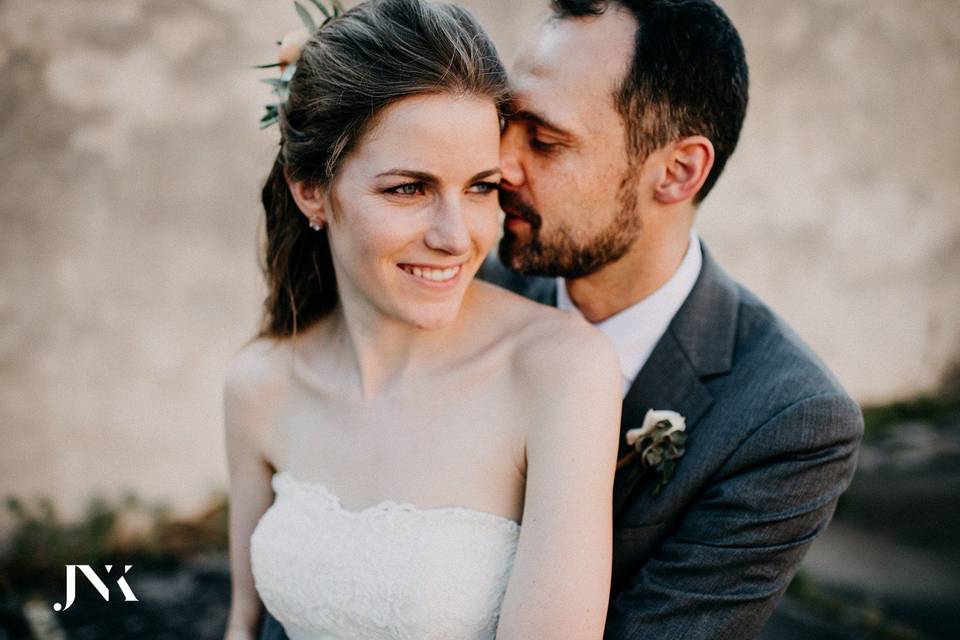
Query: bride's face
(414, 208)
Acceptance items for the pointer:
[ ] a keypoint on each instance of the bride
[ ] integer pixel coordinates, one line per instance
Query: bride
(412, 453)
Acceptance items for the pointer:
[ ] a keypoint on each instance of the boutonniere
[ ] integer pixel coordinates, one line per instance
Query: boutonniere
(658, 444)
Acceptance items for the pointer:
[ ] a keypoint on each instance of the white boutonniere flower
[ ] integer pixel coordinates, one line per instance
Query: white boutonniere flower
(658, 443)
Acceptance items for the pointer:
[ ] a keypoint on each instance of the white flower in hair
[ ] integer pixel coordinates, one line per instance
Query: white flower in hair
(290, 47)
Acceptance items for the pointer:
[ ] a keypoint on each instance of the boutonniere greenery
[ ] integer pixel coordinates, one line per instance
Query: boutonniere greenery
(658, 443)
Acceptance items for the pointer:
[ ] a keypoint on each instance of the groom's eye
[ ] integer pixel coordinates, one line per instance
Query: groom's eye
(539, 145)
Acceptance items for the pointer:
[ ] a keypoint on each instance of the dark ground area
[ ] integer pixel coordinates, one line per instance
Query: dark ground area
(888, 568)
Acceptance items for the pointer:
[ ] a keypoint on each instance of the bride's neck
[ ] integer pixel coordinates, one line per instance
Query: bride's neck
(379, 349)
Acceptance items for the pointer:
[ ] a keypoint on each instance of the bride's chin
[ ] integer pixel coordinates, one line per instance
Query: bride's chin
(438, 319)
(432, 324)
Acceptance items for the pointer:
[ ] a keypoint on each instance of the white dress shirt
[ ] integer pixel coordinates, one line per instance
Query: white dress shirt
(636, 330)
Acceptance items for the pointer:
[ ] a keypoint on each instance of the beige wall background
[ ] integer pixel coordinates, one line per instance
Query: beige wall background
(130, 164)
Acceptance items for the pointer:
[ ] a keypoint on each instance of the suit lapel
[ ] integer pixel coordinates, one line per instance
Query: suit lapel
(543, 290)
(699, 342)
(667, 381)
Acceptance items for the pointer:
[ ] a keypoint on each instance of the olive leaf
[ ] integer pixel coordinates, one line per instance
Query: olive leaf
(305, 17)
(319, 5)
(270, 117)
(665, 477)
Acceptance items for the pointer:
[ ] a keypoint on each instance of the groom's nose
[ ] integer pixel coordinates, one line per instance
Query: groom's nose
(510, 163)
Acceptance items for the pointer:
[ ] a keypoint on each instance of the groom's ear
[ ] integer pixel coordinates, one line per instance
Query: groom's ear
(687, 163)
(311, 200)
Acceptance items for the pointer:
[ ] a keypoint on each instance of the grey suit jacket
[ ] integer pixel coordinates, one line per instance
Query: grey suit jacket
(772, 441)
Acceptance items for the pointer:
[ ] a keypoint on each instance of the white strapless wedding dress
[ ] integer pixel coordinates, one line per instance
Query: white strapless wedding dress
(389, 572)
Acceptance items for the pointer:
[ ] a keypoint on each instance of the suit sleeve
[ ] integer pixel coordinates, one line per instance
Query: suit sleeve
(720, 574)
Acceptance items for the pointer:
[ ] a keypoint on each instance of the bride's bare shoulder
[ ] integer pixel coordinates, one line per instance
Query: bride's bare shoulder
(256, 365)
(257, 381)
(515, 310)
(551, 344)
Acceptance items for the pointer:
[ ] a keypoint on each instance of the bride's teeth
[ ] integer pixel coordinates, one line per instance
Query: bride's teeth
(435, 275)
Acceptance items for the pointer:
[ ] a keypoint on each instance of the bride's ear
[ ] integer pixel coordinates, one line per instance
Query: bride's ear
(310, 199)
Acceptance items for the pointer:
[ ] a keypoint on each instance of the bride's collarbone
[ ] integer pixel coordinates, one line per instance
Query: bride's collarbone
(409, 454)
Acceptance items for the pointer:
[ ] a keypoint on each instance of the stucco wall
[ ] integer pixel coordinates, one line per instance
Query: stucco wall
(130, 164)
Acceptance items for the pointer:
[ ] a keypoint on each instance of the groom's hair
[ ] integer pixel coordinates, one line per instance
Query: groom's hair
(688, 76)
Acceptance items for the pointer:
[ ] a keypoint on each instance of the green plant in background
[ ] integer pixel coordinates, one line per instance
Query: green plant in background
(867, 618)
(125, 531)
(937, 410)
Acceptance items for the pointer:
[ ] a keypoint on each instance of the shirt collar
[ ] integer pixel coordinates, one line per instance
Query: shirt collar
(636, 330)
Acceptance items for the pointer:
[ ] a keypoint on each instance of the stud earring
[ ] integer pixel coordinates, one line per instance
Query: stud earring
(315, 225)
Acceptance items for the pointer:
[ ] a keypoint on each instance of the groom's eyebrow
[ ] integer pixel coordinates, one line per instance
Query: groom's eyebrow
(538, 119)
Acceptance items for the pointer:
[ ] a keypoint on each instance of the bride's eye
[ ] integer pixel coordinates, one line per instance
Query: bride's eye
(408, 189)
(484, 188)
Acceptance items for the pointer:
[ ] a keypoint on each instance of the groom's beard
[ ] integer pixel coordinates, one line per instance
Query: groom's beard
(559, 252)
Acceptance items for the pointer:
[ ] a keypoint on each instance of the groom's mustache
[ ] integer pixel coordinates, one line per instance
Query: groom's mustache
(512, 205)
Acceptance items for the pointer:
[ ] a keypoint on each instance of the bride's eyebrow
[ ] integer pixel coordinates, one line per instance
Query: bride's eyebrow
(485, 174)
(429, 178)
(422, 176)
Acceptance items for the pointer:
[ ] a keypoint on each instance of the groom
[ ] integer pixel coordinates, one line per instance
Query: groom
(625, 113)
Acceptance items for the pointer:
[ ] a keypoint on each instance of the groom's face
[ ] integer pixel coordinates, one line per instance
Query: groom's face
(569, 192)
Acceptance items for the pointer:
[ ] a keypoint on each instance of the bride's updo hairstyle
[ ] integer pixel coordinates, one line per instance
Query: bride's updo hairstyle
(352, 68)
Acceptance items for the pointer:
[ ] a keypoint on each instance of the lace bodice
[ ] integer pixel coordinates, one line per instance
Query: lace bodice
(388, 572)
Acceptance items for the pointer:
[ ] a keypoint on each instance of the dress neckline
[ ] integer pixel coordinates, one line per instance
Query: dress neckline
(386, 505)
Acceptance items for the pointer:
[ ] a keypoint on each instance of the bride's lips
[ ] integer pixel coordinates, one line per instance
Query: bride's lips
(433, 276)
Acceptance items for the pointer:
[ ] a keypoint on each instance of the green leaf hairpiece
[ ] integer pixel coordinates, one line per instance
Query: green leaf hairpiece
(281, 85)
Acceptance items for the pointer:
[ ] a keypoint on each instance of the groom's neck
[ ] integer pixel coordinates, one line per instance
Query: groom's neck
(646, 267)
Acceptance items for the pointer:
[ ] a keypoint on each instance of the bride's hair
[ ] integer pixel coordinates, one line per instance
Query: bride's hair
(351, 69)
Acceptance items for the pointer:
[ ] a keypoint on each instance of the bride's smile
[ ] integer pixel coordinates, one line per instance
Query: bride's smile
(433, 276)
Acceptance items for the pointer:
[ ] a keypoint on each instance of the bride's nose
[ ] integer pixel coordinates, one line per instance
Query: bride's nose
(448, 230)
